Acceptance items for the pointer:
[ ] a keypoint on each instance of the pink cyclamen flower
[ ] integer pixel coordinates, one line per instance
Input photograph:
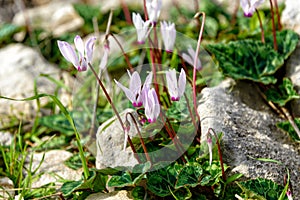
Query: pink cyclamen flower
(168, 33)
(142, 28)
(289, 194)
(249, 6)
(85, 53)
(152, 107)
(176, 89)
(134, 92)
(189, 58)
(153, 9)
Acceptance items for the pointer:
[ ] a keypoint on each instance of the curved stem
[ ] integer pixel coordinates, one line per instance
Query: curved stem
(124, 54)
(220, 154)
(140, 135)
(115, 110)
(273, 26)
(195, 64)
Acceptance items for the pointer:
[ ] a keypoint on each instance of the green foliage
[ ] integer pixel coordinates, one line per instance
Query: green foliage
(14, 158)
(287, 41)
(287, 127)
(253, 60)
(7, 32)
(283, 94)
(247, 59)
(96, 182)
(262, 189)
(88, 12)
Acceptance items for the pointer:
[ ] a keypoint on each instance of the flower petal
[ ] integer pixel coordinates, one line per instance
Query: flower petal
(181, 83)
(172, 83)
(104, 59)
(79, 45)
(89, 48)
(135, 84)
(129, 94)
(68, 52)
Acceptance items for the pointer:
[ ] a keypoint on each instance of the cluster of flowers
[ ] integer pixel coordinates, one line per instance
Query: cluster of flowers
(142, 95)
(138, 94)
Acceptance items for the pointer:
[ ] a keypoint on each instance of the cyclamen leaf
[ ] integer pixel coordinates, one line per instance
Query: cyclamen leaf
(284, 94)
(189, 175)
(287, 41)
(263, 188)
(247, 59)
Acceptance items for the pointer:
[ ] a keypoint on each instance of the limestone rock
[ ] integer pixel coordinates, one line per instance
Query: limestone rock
(54, 164)
(110, 141)
(20, 66)
(57, 17)
(291, 15)
(116, 195)
(249, 129)
(6, 185)
(6, 138)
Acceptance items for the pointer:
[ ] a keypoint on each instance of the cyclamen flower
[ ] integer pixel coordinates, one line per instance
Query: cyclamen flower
(134, 93)
(85, 53)
(104, 59)
(153, 9)
(249, 6)
(152, 106)
(189, 58)
(168, 33)
(142, 28)
(176, 89)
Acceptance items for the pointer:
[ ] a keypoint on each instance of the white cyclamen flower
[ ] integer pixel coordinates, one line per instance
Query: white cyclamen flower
(249, 6)
(134, 92)
(189, 58)
(142, 28)
(168, 33)
(152, 106)
(153, 9)
(176, 89)
(81, 61)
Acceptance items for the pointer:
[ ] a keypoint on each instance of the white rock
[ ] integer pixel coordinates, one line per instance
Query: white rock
(20, 66)
(291, 15)
(110, 141)
(53, 167)
(249, 128)
(6, 186)
(6, 138)
(116, 195)
(57, 17)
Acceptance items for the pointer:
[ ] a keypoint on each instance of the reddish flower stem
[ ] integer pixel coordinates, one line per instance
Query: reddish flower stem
(278, 15)
(145, 11)
(220, 154)
(273, 26)
(140, 135)
(115, 111)
(195, 64)
(124, 53)
(126, 12)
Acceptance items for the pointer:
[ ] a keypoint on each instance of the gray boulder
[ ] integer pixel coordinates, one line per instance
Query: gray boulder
(110, 142)
(20, 66)
(249, 128)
